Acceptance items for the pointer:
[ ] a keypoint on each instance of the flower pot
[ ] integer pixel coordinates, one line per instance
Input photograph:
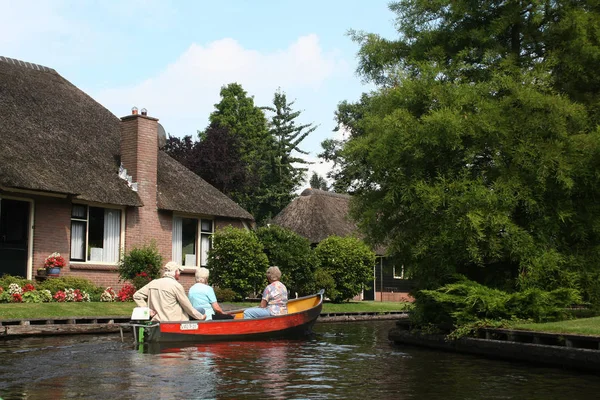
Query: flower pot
(41, 272)
(53, 271)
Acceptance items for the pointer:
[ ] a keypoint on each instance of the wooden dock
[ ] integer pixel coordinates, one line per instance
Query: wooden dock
(579, 352)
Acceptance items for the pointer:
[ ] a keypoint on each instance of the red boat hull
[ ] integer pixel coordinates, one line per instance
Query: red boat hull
(295, 324)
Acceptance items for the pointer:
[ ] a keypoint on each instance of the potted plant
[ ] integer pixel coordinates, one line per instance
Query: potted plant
(41, 272)
(54, 262)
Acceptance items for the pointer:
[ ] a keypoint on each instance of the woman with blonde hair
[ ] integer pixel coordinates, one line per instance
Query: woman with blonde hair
(203, 297)
(274, 298)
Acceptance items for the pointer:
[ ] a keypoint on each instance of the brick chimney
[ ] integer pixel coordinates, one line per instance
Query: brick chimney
(139, 155)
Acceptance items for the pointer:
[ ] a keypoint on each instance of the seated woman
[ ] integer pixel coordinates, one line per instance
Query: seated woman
(274, 298)
(203, 297)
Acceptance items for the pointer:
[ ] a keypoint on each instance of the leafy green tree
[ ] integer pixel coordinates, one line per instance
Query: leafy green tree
(472, 156)
(237, 113)
(288, 169)
(318, 182)
(220, 162)
(349, 117)
(237, 261)
(292, 254)
(349, 261)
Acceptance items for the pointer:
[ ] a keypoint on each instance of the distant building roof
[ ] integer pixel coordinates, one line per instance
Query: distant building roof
(317, 214)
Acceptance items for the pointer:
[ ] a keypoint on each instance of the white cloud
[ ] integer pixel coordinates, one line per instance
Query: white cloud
(184, 93)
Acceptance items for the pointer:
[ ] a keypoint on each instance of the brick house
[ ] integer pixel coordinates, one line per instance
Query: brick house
(77, 180)
(317, 214)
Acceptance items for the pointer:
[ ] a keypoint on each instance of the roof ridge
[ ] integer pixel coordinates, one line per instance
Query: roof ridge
(319, 192)
(26, 64)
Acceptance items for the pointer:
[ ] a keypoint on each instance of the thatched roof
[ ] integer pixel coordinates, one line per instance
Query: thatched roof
(56, 138)
(317, 214)
(179, 189)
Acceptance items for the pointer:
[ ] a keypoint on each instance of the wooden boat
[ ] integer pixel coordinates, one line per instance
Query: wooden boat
(302, 315)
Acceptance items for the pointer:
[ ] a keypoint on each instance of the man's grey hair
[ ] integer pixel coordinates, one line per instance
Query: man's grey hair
(273, 273)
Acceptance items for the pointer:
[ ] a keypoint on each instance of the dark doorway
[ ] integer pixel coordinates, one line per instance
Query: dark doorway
(14, 237)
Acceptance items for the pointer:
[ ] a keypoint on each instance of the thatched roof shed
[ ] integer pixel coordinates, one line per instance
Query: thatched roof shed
(55, 138)
(317, 214)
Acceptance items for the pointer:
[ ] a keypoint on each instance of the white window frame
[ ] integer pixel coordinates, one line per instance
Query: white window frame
(199, 235)
(401, 276)
(121, 233)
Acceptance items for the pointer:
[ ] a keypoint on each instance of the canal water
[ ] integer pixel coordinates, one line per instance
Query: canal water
(342, 361)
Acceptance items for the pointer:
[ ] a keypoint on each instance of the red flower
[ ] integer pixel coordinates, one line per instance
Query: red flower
(28, 288)
(126, 292)
(60, 296)
(55, 260)
(17, 298)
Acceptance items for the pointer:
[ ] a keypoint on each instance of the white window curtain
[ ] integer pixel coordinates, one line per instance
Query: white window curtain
(204, 247)
(77, 240)
(177, 239)
(112, 235)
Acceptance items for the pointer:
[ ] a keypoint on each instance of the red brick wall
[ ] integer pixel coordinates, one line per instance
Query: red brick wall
(139, 155)
(52, 230)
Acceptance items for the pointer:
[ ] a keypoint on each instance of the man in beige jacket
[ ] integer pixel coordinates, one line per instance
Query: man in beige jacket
(166, 297)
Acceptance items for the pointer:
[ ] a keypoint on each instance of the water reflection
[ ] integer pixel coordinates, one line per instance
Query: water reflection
(346, 360)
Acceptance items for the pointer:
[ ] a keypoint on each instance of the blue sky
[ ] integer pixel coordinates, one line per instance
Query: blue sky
(172, 57)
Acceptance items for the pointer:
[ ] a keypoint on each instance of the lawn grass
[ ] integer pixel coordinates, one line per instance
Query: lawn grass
(582, 326)
(97, 309)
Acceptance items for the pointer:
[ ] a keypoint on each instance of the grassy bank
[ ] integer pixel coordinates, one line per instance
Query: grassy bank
(64, 310)
(583, 326)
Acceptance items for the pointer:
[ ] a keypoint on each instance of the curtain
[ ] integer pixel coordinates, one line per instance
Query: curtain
(204, 247)
(177, 239)
(78, 240)
(112, 235)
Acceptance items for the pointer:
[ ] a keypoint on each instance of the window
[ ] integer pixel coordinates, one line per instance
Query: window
(399, 272)
(95, 234)
(191, 240)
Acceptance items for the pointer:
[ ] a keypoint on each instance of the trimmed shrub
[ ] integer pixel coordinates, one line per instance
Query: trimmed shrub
(6, 280)
(465, 302)
(225, 295)
(145, 259)
(293, 255)
(350, 263)
(69, 282)
(236, 261)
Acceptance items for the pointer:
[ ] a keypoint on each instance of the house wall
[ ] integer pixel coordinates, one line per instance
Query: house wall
(53, 233)
(52, 229)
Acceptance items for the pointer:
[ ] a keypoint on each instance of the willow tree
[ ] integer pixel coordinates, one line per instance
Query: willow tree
(479, 151)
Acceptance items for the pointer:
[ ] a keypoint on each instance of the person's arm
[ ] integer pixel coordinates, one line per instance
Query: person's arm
(187, 305)
(263, 303)
(141, 297)
(217, 308)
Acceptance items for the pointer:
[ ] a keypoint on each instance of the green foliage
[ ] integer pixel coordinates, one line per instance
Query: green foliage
(237, 113)
(69, 282)
(466, 302)
(478, 154)
(225, 295)
(293, 255)
(236, 261)
(141, 259)
(287, 170)
(37, 296)
(350, 263)
(6, 280)
(318, 182)
(324, 280)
